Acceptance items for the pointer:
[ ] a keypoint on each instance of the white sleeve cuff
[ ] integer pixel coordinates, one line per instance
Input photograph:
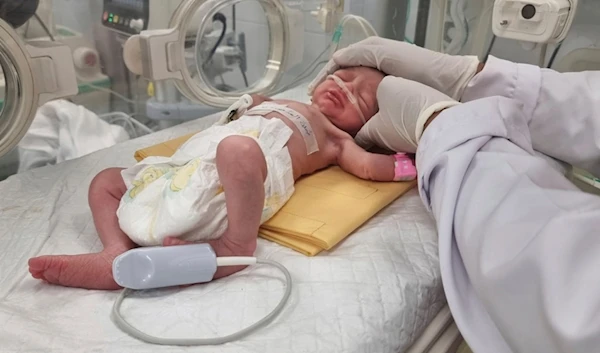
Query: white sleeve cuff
(507, 79)
(467, 124)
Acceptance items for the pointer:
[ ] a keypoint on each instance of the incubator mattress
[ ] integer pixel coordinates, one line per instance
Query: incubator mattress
(376, 292)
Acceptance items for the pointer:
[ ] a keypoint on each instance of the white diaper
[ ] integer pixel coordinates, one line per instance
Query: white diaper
(181, 196)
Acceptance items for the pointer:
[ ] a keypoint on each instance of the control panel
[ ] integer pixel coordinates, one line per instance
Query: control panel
(126, 16)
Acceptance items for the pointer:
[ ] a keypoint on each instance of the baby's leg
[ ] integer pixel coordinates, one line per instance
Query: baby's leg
(92, 271)
(242, 171)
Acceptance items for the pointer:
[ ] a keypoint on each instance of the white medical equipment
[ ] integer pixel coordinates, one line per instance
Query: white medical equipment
(164, 55)
(187, 65)
(93, 83)
(467, 26)
(160, 54)
(455, 26)
(540, 21)
(34, 73)
(158, 267)
(576, 47)
(133, 16)
(41, 62)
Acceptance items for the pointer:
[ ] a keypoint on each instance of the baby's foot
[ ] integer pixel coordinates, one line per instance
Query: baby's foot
(172, 241)
(223, 246)
(90, 271)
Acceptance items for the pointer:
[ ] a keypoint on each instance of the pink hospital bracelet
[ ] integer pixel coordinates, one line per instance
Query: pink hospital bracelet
(404, 169)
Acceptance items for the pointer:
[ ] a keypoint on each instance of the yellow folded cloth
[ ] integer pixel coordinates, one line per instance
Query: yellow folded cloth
(326, 206)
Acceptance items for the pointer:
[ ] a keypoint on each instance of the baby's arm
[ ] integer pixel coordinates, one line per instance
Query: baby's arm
(372, 166)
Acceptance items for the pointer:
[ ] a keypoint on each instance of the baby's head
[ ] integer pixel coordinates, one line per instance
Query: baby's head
(332, 101)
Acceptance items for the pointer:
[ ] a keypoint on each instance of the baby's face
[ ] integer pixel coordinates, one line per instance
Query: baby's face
(332, 101)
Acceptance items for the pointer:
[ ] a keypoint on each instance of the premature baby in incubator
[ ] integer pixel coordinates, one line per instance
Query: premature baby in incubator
(225, 181)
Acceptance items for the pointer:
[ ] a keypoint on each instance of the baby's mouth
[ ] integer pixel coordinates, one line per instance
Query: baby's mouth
(336, 97)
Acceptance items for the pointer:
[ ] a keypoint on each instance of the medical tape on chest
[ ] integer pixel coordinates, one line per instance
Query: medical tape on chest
(310, 139)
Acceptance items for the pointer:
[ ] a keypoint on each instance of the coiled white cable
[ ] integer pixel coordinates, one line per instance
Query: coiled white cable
(221, 262)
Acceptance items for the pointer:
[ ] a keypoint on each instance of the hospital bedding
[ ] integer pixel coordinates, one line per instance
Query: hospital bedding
(376, 292)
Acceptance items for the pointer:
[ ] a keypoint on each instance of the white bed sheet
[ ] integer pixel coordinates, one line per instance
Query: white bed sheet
(375, 292)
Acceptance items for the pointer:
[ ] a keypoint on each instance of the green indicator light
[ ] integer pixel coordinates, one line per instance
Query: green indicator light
(110, 19)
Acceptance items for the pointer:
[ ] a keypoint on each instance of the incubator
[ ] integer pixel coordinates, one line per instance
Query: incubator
(171, 61)
(158, 63)
(167, 61)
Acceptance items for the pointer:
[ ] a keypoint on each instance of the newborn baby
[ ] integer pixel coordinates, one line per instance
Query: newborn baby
(225, 181)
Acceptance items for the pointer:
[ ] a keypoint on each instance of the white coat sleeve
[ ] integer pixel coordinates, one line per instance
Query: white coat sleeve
(563, 109)
(519, 244)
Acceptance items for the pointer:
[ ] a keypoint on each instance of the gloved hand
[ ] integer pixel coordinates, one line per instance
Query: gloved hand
(446, 73)
(404, 108)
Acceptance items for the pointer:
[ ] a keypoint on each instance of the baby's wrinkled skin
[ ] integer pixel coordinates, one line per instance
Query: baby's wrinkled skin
(332, 101)
(242, 172)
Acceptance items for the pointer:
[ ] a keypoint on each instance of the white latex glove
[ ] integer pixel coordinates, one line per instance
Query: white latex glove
(446, 73)
(404, 108)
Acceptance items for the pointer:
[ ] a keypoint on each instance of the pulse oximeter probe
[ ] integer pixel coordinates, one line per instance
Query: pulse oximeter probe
(159, 267)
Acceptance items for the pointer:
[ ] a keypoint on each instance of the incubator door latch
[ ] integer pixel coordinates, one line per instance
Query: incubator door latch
(152, 54)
